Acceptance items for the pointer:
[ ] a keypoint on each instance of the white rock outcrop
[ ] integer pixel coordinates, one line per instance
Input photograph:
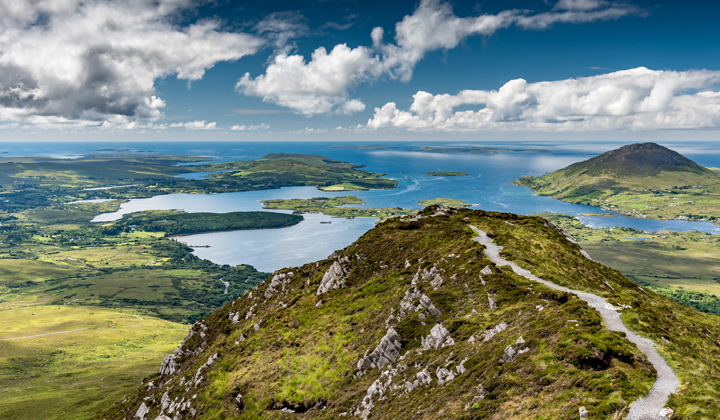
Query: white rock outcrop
(439, 337)
(334, 278)
(386, 352)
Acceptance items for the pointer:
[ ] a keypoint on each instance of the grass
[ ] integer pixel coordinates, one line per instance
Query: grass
(306, 347)
(682, 265)
(650, 182)
(331, 206)
(72, 375)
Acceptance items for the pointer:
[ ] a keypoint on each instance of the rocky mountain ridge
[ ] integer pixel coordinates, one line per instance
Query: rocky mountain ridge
(415, 321)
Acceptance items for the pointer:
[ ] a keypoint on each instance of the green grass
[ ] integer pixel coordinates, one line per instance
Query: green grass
(307, 345)
(672, 188)
(73, 375)
(330, 206)
(682, 265)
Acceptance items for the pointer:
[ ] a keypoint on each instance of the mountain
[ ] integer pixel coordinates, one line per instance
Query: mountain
(645, 180)
(423, 318)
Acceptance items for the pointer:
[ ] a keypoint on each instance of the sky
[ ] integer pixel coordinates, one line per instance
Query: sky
(359, 70)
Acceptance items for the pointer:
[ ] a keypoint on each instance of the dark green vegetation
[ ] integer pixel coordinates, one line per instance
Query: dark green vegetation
(684, 266)
(282, 170)
(477, 150)
(446, 173)
(331, 207)
(364, 147)
(121, 284)
(290, 344)
(181, 223)
(45, 184)
(641, 180)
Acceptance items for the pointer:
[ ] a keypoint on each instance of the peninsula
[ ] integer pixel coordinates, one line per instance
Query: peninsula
(639, 180)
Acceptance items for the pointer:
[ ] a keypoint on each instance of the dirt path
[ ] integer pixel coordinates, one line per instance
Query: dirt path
(666, 383)
(42, 335)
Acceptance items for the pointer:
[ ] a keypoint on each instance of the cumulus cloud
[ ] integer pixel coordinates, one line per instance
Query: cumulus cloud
(74, 61)
(262, 126)
(635, 99)
(312, 87)
(195, 125)
(315, 87)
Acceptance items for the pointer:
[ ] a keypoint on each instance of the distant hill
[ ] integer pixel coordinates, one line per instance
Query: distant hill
(416, 321)
(643, 180)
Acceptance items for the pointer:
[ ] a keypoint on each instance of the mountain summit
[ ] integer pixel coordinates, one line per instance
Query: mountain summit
(636, 160)
(640, 180)
(423, 318)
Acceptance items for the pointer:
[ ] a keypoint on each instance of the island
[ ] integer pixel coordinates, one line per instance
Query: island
(447, 202)
(332, 207)
(176, 223)
(477, 150)
(446, 173)
(638, 180)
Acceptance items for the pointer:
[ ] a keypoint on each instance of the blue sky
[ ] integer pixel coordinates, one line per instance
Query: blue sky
(229, 70)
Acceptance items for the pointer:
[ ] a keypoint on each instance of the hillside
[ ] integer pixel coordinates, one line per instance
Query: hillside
(642, 180)
(414, 320)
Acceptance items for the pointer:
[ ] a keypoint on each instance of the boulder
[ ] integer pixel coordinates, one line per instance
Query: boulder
(439, 337)
(334, 278)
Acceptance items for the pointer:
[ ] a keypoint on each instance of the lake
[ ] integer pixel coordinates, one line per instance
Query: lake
(486, 186)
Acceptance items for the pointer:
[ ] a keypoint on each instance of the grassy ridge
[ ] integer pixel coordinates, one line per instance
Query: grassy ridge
(292, 348)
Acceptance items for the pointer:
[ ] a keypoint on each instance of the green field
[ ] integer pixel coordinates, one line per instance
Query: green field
(684, 266)
(72, 375)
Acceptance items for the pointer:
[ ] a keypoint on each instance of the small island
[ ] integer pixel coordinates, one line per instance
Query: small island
(331, 207)
(447, 202)
(446, 173)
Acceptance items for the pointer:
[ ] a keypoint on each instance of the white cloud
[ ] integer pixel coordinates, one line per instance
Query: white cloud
(635, 99)
(195, 125)
(65, 61)
(315, 87)
(262, 126)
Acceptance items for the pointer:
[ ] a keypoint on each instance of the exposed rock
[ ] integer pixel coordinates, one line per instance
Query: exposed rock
(444, 375)
(386, 352)
(491, 302)
(491, 332)
(250, 313)
(334, 278)
(486, 271)
(666, 413)
(509, 354)
(168, 367)
(426, 303)
(142, 411)
(583, 413)
(460, 368)
(439, 337)
(585, 254)
(277, 280)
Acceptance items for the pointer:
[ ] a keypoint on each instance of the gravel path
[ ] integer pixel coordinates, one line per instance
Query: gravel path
(42, 335)
(667, 382)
